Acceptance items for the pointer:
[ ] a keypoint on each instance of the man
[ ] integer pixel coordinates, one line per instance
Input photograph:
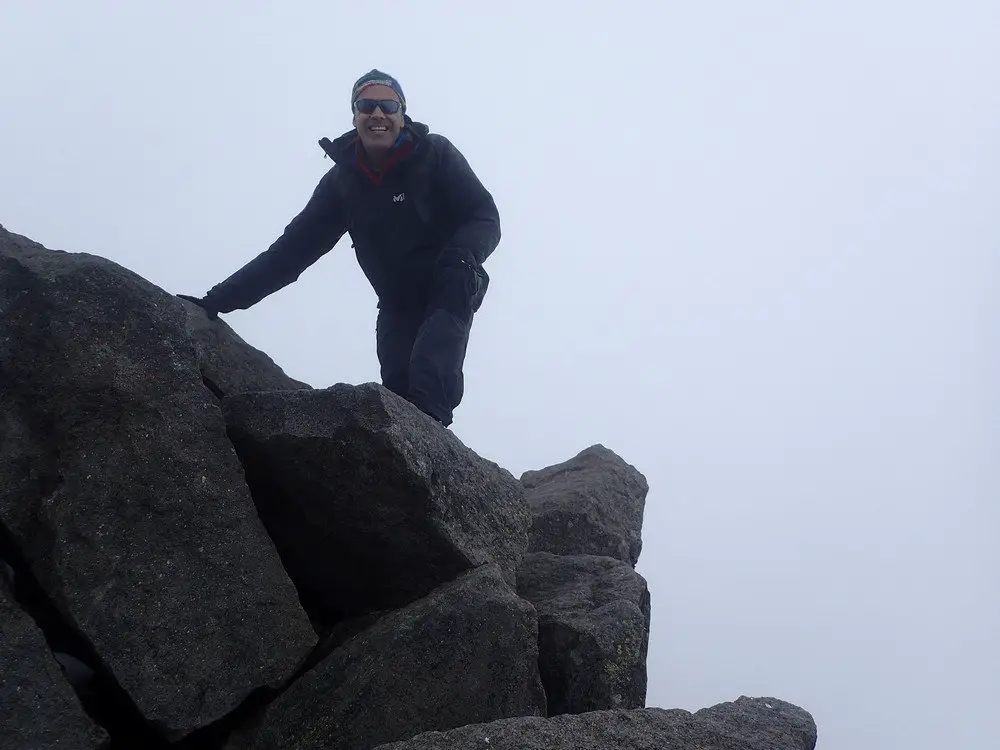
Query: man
(422, 225)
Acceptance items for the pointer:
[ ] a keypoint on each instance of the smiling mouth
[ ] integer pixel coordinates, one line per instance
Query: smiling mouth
(378, 129)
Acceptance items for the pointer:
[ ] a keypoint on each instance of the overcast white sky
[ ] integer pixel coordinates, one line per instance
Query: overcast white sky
(752, 247)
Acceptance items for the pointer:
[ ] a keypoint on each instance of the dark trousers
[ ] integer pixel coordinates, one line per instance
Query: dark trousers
(421, 348)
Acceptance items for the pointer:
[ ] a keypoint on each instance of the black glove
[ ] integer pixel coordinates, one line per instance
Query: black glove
(456, 282)
(212, 313)
(462, 262)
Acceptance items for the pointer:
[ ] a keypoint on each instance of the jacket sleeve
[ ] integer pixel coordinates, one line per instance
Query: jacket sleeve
(309, 236)
(476, 219)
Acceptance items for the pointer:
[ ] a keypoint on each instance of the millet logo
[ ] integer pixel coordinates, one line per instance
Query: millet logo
(399, 198)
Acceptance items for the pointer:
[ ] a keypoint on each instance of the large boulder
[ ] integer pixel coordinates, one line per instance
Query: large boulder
(370, 502)
(121, 490)
(464, 654)
(229, 365)
(593, 630)
(762, 723)
(38, 708)
(746, 724)
(591, 504)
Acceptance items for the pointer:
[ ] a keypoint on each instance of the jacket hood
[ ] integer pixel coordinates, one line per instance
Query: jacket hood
(341, 149)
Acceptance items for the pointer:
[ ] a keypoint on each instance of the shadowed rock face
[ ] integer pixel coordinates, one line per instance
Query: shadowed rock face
(151, 607)
(38, 708)
(464, 654)
(120, 488)
(371, 503)
(746, 724)
(592, 504)
(593, 622)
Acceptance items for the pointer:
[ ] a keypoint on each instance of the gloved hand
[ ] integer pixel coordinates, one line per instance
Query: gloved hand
(460, 261)
(456, 282)
(212, 313)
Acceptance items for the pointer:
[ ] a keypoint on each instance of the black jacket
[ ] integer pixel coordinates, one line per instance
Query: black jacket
(429, 203)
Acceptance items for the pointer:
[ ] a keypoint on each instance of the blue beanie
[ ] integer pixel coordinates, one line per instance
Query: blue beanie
(375, 77)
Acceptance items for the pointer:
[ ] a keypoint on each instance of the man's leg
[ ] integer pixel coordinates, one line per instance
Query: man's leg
(437, 382)
(395, 331)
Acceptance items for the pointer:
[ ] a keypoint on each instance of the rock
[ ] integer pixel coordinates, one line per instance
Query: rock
(229, 365)
(762, 723)
(38, 708)
(593, 630)
(163, 484)
(6, 574)
(464, 654)
(121, 491)
(592, 504)
(370, 502)
(747, 724)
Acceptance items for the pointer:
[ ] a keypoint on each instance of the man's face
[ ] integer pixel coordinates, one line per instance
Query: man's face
(378, 130)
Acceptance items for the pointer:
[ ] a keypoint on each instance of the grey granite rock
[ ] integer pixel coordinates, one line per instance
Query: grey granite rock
(38, 708)
(370, 502)
(464, 654)
(746, 724)
(593, 626)
(119, 486)
(591, 504)
(230, 365)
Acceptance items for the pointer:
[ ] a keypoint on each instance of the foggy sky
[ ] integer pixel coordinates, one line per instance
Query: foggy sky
(751, 247)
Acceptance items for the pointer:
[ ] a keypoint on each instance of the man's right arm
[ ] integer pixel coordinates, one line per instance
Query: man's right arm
(309, 236)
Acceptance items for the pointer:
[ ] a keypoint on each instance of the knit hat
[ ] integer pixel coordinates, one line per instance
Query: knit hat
(374, 78)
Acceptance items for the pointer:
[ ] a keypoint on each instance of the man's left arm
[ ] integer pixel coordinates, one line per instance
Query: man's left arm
(477, 220)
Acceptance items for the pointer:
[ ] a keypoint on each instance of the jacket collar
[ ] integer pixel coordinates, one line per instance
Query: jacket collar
(343, 149)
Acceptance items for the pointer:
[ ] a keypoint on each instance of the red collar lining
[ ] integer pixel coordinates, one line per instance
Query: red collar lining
(398, 153)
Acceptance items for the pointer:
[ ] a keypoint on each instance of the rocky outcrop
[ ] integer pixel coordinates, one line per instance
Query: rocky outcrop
(38, 708)
(593, 621)
(204, 553)
(593, 607)
(760, 723)
(465, 654)
(591, 504)
(746, 724)
(119, 486)
(370, 506)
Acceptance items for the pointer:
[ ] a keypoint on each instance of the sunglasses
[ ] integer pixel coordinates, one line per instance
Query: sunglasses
(367, 106)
